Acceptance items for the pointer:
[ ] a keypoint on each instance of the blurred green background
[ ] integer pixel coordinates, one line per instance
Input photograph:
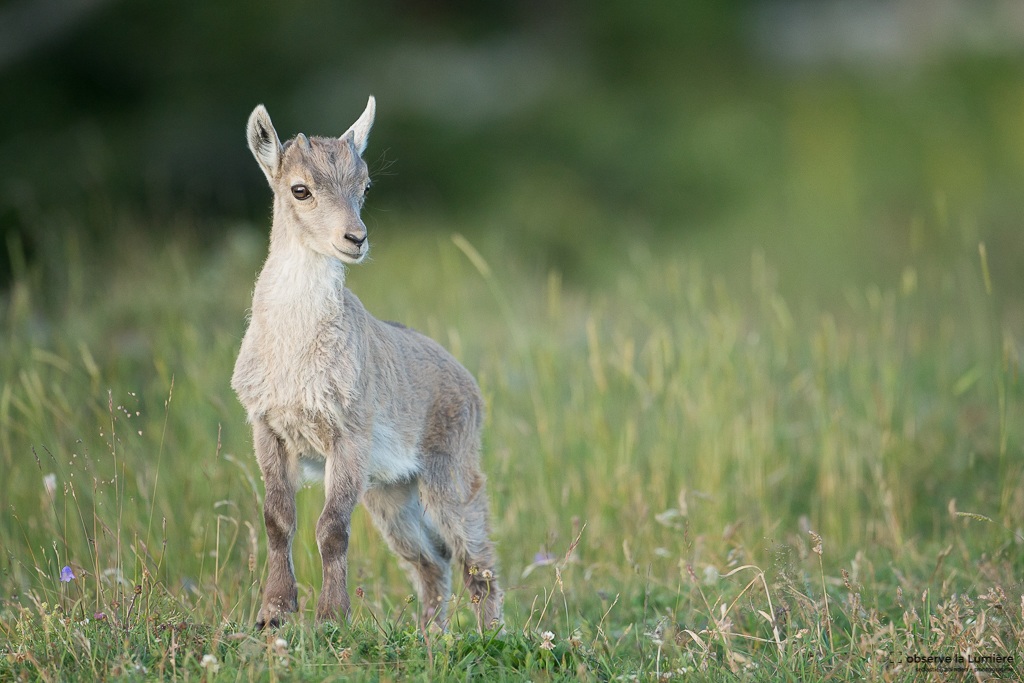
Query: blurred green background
(843, 139)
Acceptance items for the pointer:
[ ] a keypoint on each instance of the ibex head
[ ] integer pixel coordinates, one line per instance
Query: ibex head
(319, 183)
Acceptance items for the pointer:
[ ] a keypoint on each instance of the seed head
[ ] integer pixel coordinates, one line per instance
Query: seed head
(817, 547)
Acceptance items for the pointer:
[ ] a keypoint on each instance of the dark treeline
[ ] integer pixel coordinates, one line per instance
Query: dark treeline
(116, 111)
(550, 119)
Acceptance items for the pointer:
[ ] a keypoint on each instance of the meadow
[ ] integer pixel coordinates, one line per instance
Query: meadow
(691, 473)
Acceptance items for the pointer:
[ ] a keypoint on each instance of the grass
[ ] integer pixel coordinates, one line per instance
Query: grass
(691, 473)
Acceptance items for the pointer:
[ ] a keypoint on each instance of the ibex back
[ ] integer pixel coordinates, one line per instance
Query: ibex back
(385, 415)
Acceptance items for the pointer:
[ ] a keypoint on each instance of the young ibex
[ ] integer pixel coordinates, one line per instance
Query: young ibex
(385, 415)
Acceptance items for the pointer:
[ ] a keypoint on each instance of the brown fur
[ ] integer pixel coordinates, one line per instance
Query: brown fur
(391, 417)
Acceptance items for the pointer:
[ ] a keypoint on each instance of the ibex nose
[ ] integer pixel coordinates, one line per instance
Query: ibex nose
(356, 238)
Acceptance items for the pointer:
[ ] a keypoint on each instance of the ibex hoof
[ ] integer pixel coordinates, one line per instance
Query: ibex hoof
(273, 622)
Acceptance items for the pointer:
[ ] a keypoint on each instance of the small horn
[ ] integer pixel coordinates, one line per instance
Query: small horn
(361, 128)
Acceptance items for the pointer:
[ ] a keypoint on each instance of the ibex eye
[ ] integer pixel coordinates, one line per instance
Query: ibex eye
(301, 192)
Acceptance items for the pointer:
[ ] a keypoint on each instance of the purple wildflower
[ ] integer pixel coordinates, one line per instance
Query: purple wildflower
(66, 575)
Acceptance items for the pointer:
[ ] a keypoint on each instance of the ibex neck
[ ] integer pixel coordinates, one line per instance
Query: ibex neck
(297, 283)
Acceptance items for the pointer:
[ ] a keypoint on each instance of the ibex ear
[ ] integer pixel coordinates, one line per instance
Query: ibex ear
(263, 142)
(361, 128)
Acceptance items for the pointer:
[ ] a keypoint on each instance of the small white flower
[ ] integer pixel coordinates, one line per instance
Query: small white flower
(280, 647)
(547, 640)
(210, 663)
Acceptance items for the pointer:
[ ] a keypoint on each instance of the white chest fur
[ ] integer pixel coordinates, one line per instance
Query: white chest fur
(391, 459)
(292, 358)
